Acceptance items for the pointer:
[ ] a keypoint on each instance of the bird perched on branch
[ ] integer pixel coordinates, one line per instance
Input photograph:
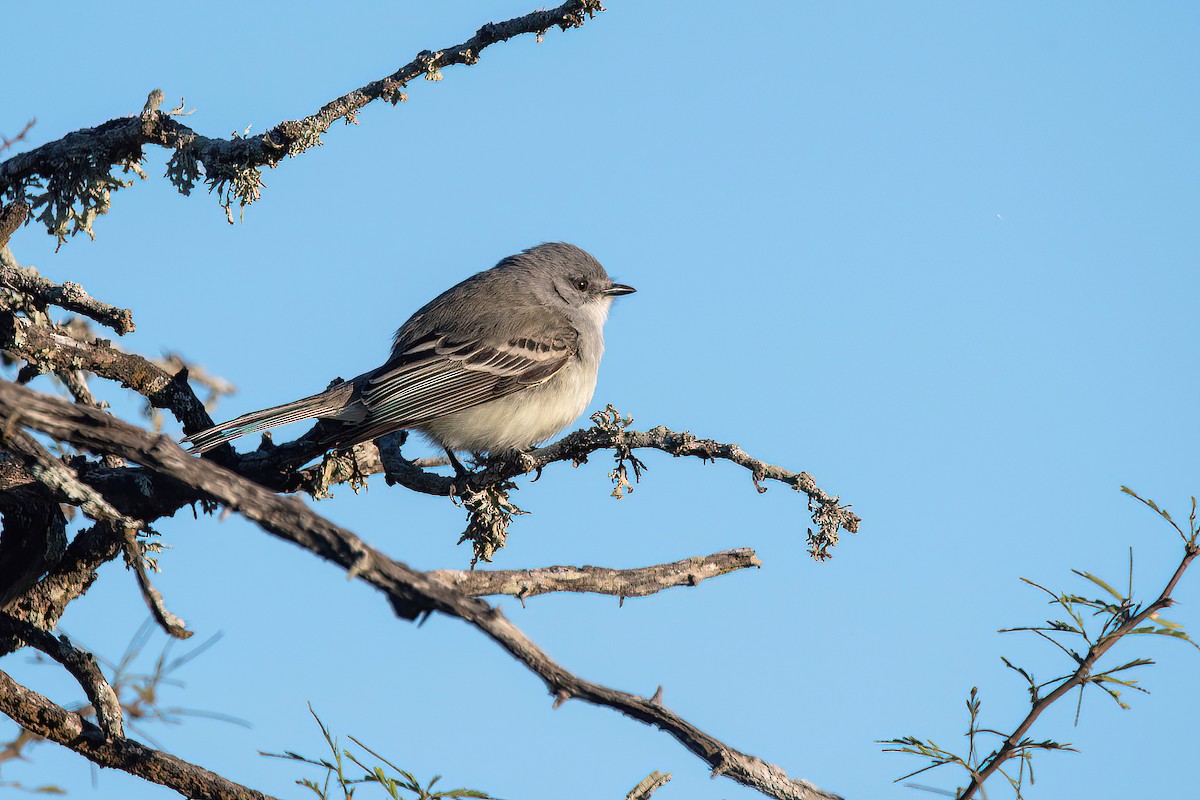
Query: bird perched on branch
(500, 362)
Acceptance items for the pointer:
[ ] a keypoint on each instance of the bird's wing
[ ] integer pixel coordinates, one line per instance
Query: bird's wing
(441, 373)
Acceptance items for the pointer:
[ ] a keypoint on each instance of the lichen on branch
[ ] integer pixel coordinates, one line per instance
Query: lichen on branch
(71, 180)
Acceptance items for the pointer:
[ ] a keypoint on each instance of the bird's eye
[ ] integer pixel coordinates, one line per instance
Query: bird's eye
(581, 284)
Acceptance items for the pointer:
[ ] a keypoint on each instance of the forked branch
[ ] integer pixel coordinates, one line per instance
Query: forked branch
(42, 717)
(410, 592)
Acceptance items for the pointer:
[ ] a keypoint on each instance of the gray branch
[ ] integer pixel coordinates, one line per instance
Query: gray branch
(82, 666)
(76, 169)
(648, 786)
(411, 592)
(62, 481)
(622, 583)
(42, 717)
(70, 296)
(610, 432)
(51, 349)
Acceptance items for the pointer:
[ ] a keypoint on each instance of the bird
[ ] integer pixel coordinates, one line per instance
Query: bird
(496, 364)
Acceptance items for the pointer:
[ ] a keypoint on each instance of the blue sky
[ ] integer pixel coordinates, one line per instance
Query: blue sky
(941, 256)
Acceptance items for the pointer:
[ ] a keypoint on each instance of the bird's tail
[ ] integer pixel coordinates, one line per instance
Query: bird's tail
(326, 404)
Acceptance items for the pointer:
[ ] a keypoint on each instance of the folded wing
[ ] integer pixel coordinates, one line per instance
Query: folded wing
(440, 374)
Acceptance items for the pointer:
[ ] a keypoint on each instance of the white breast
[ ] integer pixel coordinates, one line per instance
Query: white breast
(521, 420)
(531, 416)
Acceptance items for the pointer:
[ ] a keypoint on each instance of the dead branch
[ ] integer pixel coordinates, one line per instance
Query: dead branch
(70, 296)
(51, 349)
(410, 592)
(42, 717)
(648, 786)
(62, 481)
(827, 512)
(80, 664)
(69, 578)
(35, 530)
(6, 143)
(232, 167)
(622, 583)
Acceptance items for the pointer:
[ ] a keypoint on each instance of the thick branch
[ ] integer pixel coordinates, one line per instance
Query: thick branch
(12, 216)
(622, 583)
(411, 592)
(62, 480)
(35, 530)
(39, 715)
(73, 575)
(65, 484)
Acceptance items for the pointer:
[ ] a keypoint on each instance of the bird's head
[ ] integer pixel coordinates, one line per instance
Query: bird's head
(572, 276)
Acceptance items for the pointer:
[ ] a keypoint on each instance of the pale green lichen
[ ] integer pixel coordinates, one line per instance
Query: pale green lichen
(489, 513)
(76, 193)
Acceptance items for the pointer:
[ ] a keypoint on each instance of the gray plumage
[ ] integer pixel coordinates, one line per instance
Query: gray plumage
(502, 361)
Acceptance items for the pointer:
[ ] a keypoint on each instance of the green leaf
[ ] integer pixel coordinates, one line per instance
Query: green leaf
(1102, 584)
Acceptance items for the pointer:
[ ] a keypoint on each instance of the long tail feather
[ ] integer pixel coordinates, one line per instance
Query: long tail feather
(325, 404)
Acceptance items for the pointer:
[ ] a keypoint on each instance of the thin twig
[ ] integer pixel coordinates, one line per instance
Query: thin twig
(1013, 742)
(6, 143)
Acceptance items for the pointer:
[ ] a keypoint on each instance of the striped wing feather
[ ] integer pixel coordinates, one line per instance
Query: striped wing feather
(439, 375)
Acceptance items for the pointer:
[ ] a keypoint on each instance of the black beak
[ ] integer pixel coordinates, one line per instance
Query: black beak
(618, 289)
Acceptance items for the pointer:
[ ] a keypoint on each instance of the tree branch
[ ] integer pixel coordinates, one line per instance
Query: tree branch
(41, 716)
(648, 786)
(70, 296)
(62, 481)
(610, 432)
(12, 216)
(76, 169)
(1082, 675)
(622, 583)
(411, 592)
(53, 350)
(80, 664)
(73, 575)
(35, 530)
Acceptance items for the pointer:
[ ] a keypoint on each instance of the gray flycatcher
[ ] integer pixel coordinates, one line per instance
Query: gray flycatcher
(500, 362)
